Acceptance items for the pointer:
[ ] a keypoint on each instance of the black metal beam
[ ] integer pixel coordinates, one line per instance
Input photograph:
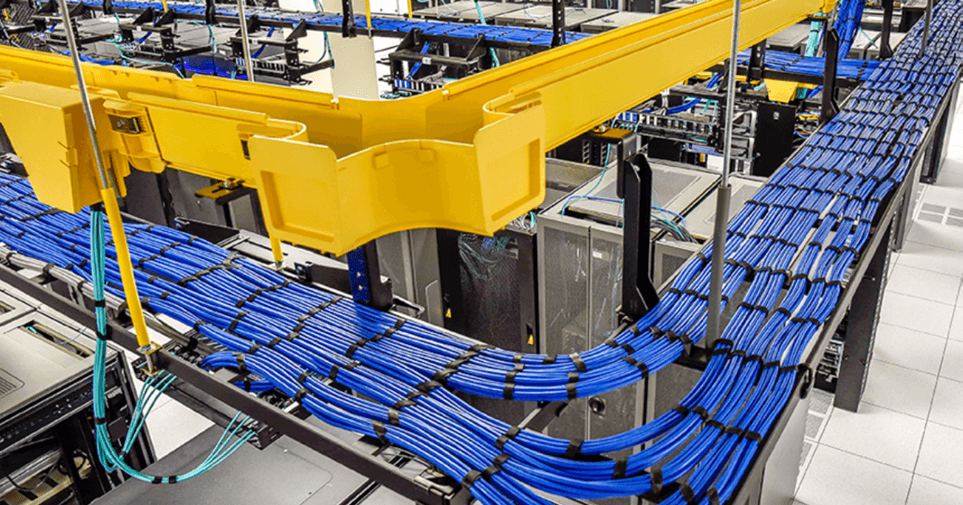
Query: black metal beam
(297, 429)
(830, 105)
(885, 49)
(558, 22)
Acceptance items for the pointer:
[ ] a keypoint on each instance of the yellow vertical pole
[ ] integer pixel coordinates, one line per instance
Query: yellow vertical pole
(126, 267)
(276, 251)
(108, 195)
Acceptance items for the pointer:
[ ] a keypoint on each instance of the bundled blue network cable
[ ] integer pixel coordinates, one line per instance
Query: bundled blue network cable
(806, 227)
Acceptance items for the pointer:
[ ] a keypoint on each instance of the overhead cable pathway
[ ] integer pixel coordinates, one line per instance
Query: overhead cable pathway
(380, 166)
(806, 227)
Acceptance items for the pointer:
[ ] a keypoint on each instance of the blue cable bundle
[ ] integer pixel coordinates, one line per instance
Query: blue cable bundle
(806, 226)
(512, 34)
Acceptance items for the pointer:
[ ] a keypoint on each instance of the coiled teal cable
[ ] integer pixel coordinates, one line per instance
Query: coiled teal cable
(152, 390)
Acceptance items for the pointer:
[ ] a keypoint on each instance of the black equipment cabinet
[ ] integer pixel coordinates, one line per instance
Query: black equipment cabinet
(52, 431)
(489, 290)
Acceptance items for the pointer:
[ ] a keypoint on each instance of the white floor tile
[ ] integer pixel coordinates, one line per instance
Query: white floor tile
(940, 455)
(926, 491)
(900, 389)
(947, 197)
(935, 259)
(956, 329)
(948, 403)
(839, 478)
(923, 283)
(879, 434)
(953, 361)
(951, 178)
(917, 314)
(173, 425)
(909, 348)
(936, 234)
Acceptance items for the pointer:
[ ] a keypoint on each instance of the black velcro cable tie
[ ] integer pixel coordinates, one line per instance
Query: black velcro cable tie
(428, 386)
(333, 375)
(579, 363)
(157, 480)
(352, 365)
(574, 448)
(682, 409)
(740, 353)
(733, 430)
(394, 417)
(656, 332)
(237, 319)
(751, 358)
(470, 478)
(721, 350)
(380, 431)
(712, 423)
(274, 342)
(656, 477)
(674, 291)
(570, 390)
(701, 411)
(638, 364)
(254, 348)
(241, 367)
(509, 435)
(491, 470)
(355, 346)
(100, 420)
(713, 496)
(788, 368)
(549, 360)
(771, 364)
(414, 394)
(723, 341)
(784, 311)
(165, 294)
(519, 367)
(303, 377)
(517, 358)
(441, 376)
(510, 377)
(751, 435)
(628, 348)
(687, 494)
(635, 330)
(621, 465)
(611, 342)
(401, 404)
(836, 282)
(172, 479)
(300, 394)
(478, 348)
(573, 377)
(100, 304)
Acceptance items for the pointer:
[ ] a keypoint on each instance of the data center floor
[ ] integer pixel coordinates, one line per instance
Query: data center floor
(904, 445)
